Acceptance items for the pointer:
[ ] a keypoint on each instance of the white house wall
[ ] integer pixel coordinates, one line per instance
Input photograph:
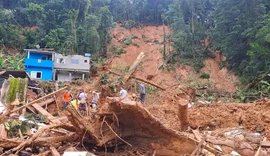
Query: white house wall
(66, 76)
(74, 62)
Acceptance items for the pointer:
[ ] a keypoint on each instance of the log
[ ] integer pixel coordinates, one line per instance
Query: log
(31, 103)
(54, 151)
(34, 137)
(182, 115)
(140, 79)
(133, 67)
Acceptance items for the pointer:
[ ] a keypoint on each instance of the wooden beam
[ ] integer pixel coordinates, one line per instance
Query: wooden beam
(133, 67)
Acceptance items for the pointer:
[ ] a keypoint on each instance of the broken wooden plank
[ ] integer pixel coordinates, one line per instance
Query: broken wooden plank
(140, 79)
(31, 103)
(133, 67)
(46, 102)
(45, 113)
(54, 151)
(197, 149)
(197, 134)
(199, 137)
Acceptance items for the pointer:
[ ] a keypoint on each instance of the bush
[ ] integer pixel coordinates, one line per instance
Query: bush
(127, 41)
(222, 64)
(117, 50)
(104, 78)
(129, 24)
(205, 76)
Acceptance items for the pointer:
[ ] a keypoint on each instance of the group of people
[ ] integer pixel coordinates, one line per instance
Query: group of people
(124, 93)
(80, 101)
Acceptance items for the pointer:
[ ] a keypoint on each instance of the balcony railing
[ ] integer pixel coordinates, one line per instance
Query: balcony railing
(39, 63)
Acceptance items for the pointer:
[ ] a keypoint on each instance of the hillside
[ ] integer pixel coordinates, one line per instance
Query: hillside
(149, 39)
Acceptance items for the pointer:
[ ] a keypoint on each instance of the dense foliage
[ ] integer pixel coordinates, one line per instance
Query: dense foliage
(239, 28)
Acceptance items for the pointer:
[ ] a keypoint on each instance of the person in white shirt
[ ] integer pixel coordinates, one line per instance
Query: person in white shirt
(95, 99)
(82, 97)
(123, 94)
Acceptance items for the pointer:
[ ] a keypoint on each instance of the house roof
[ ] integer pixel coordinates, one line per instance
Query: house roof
(48, 51)
(15, 73)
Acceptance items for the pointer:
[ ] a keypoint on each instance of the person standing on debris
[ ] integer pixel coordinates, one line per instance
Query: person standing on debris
(123, 94)
(66, 98)
(82, 97)
(142, 93)
(95, 99)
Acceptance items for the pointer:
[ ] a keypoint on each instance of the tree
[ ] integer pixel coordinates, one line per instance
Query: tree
(103, 29)
(34, 13)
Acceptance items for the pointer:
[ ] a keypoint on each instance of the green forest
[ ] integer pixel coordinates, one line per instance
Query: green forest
(239, 28)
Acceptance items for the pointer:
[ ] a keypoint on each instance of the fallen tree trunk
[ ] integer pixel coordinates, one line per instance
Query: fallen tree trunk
(133, 67)
(142, 80)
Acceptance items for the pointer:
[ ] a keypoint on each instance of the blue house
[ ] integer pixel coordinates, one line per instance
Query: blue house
(39, 63)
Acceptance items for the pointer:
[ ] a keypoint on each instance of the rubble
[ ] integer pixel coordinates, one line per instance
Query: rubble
(123, 128)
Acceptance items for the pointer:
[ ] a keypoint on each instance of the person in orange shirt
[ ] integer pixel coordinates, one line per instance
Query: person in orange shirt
(66, 98)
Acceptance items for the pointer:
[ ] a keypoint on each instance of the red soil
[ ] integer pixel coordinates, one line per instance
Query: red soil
(149, 39)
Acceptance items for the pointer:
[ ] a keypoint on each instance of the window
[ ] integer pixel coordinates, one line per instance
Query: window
(73, 61)
(43, 57)
(61, 60)
(36, 74)
(85, 61)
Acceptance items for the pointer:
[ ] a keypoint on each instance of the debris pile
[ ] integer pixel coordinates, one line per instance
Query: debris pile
(121, 128)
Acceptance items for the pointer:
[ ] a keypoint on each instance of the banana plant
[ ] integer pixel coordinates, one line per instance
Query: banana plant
(264, 86)
(2, 61)
(15, 62)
